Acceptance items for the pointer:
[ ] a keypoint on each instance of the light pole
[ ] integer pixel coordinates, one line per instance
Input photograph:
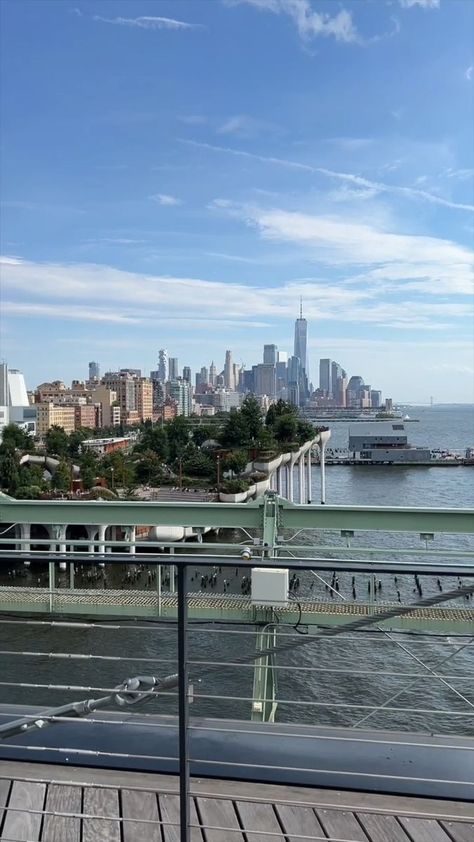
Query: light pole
(218, 460)
(112, 478)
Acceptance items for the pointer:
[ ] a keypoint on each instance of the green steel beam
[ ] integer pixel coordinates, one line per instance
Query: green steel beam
(97, 604)
(231, 515)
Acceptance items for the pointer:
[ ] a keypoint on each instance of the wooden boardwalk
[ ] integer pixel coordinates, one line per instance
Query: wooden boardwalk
(44, 803)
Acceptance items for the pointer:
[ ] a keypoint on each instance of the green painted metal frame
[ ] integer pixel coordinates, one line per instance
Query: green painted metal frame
(266, 513)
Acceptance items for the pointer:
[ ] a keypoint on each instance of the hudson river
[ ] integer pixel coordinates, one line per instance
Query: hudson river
(447, 428)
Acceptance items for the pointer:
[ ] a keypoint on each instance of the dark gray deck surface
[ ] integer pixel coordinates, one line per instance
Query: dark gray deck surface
(45, 803)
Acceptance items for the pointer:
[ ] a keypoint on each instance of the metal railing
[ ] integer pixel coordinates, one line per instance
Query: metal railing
(334, 622)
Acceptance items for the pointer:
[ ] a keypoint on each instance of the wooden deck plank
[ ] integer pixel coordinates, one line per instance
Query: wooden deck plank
(101, 802)
(62, 799)
(352, 800)
(424, 830)
(218, 813)
(140, 805)
(342, 824)
(380, 828)
(23, 825)
(259, 817)
(169, 806)
(5, 785)
(299, 820)
(459, 831)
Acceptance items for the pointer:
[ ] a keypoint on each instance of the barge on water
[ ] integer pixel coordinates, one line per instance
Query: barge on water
(386, 443)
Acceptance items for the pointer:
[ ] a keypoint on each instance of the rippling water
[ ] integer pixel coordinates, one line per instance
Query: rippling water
(372, 653)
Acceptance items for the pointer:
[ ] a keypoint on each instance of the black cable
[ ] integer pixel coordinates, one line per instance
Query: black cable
(297, 625)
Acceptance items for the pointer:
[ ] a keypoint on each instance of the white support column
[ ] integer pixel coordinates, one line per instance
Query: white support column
(290, 481)
(25, 534)
(131, 536)
(91, 533)
(323, 440)
(301, 479)
(308, 477)
(59, 536)
(101, 549)
(279, 481)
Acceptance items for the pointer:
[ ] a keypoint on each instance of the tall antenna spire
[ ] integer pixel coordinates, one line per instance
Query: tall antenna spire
(301, 306)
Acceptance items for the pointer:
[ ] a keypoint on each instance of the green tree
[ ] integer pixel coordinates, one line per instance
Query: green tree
(75, 439)
(61, 479)
(285, 428)
(252, 415)
(305, 431)
(236, 462)
(199, 465)
(276, 410)
(203, 433)
(235, 432)
(9, 468)
(29, 492)
(17, 437)
(88, 466)
(31, 474)
(56, 441)
(118, 469)
(266, 440)
(154, 439)
(178, 431)
(148, 468)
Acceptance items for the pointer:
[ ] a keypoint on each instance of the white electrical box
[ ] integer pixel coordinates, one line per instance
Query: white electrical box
(269, 587)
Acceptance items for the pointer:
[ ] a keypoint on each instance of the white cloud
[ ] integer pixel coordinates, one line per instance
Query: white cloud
(425, 4)
(15, 308)
(421, 263)
(244, 126)
(149, 22)
(469, 72)
(58, 291)
(309, 23)
(351, 178)
(165, 199)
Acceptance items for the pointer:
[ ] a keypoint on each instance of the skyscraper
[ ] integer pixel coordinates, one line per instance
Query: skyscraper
(212, 374)
(173, 368)
(163, 365)
(94, 371)
(325, 376)
(301, 340)
(301, 352)
(270, 354)
(187, 373)
(229, 381)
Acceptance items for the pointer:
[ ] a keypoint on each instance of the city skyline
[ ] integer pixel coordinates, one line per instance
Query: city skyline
(148, 205)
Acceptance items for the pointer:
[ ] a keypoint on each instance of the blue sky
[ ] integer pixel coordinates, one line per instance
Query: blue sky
(176, 173)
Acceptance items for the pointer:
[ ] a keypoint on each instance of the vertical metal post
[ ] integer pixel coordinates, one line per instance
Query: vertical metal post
(71, 575)
(183, 703)
(172, 571)
(51, 584)
(158, 587)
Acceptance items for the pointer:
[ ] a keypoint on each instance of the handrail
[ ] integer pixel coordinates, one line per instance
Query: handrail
(231, 515)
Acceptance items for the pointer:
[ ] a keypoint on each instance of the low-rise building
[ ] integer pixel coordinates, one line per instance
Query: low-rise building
(49, 415)
(384, 442)
(85, 415)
